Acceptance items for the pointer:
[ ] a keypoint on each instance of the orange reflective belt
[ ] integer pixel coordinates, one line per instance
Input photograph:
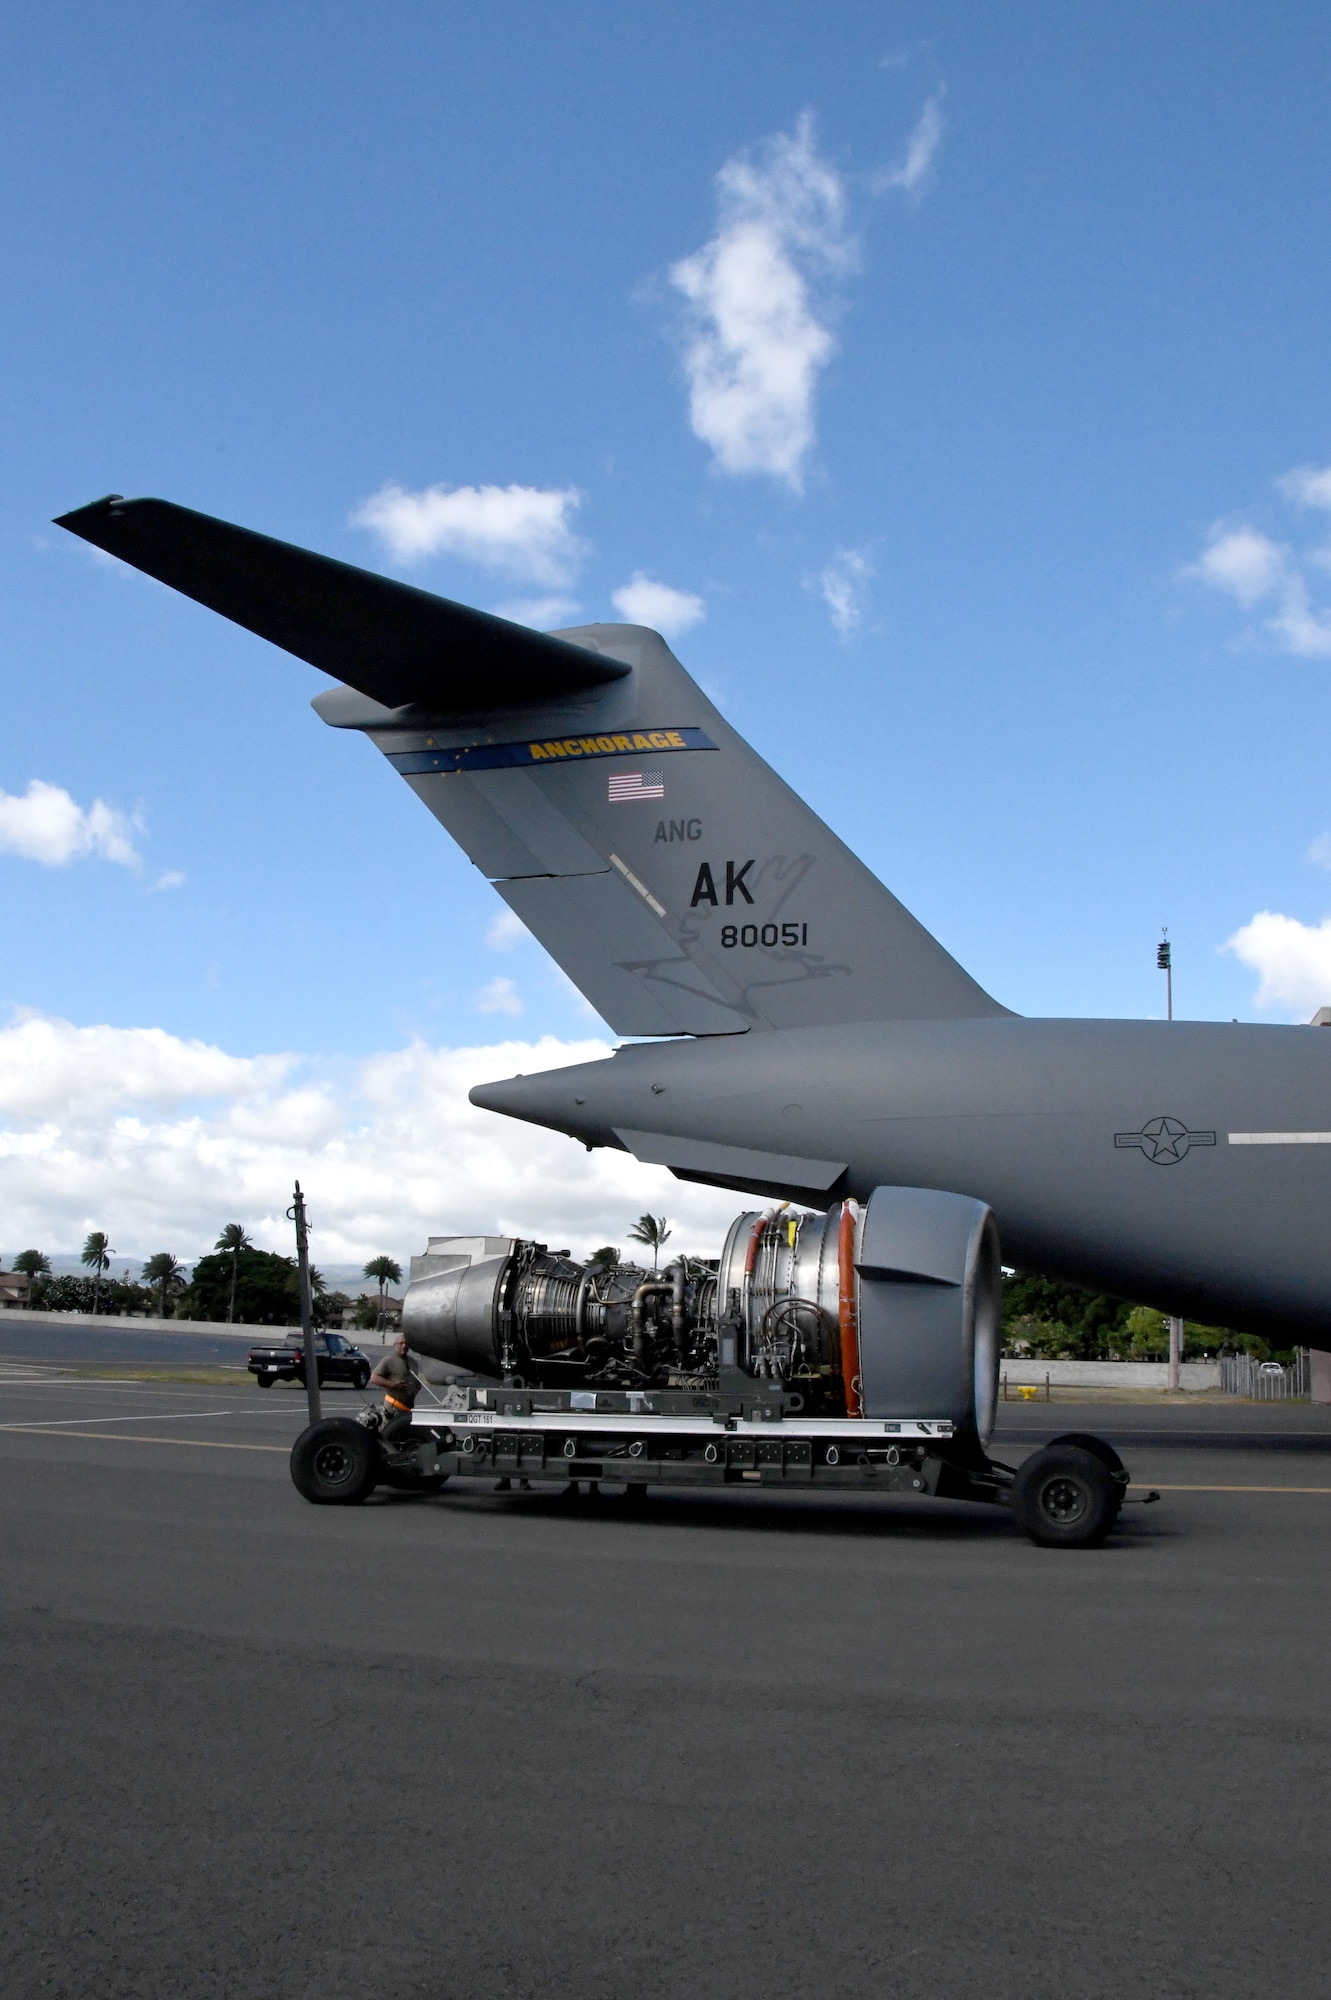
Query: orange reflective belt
(396, 1405)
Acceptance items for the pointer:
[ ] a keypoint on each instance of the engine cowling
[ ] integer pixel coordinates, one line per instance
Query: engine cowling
(930, 1307)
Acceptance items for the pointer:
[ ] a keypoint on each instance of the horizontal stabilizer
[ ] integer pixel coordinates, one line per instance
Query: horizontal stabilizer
(401, 646)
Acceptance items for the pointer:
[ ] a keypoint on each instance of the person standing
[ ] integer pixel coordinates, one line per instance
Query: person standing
(401, 1385)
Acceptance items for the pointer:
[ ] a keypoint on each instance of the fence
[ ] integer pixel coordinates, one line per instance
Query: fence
(1240, 1375)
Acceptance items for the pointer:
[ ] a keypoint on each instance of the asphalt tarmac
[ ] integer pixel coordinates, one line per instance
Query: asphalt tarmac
(122, 1342)
(753, 1745)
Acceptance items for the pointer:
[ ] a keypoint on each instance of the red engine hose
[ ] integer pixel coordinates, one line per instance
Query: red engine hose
(755, 1238)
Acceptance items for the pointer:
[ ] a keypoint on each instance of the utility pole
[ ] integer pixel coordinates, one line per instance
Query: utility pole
(1164, 962)
(296, 1214)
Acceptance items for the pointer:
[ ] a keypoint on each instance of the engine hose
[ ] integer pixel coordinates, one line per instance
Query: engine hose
(637, 1317)
(847, 1317)
(761, 1223)
(679, 1319)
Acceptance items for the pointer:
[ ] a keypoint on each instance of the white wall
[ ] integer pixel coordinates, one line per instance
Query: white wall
(1193, 1375)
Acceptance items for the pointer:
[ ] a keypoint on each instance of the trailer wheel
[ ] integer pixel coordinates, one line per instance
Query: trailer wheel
(335, 1463)
(1108, 1457)
(265, 1381)
(1086, 1441)
(1065, 1497)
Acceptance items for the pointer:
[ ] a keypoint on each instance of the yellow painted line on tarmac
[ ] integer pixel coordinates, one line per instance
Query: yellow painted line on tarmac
(1155, 1484)
(126, 1437)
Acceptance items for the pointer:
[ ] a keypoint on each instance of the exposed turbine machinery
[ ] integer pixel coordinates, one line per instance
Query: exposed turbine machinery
(803, 1301)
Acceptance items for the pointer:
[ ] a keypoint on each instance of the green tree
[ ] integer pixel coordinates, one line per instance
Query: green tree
(97, 1254)
(387, 1272)
(267, 1288)
(651, 1230)
(1037, 1339)
(234, 1239)
(33, 1266)
(1086, 1325)
(331, 1307)
(1148, 1334)
(163, 1273)
(604, 1259)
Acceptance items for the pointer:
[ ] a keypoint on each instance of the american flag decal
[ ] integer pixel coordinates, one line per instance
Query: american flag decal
(625, 785)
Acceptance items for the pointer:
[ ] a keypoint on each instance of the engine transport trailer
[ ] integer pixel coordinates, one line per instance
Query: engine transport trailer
(853, 1350)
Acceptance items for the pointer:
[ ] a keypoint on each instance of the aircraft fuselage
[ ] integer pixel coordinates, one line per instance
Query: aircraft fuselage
(1184, 1165)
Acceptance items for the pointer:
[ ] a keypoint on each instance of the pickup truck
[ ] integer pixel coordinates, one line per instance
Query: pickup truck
(338, 1361)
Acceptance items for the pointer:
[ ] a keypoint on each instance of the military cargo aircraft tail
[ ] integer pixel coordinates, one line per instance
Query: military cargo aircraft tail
(678, 881)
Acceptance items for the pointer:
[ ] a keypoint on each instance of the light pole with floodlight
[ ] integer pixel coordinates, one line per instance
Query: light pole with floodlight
(1164, 962)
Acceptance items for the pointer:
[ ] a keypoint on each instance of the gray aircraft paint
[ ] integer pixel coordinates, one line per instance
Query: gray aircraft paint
(639, 923)
(840, 1047)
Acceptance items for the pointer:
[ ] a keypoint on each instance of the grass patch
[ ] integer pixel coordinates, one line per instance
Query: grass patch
(207, 1378)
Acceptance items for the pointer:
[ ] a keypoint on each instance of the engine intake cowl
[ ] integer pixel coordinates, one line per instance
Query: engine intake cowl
(930, 1307)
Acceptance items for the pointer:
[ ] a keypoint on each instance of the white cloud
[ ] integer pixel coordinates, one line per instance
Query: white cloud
(504, 930)
(172, 879)
(48, 1067)
(643, 601)
(45, 824)
(1320, 851)
(499, 996)
(844, 586)
(1307, 486)
(921, 150)
(1297, 626)
(521, 531)
(1293, 960)
(543, 614)
(1244, 564)
(1248, 566)
(160, 1141)
(759, 335)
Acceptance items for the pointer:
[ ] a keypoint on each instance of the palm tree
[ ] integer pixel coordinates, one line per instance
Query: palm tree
(164, 1270)
(33, 1266)
(387, 1272)
(234, 1239)
(651, 1229)
(604, 1259)
(97, 1254)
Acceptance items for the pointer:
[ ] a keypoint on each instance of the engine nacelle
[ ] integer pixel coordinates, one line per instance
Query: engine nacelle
(889, 1310)
(930, 1298)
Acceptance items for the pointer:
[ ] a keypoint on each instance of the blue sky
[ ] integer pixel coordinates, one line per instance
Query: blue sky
(1021, 583)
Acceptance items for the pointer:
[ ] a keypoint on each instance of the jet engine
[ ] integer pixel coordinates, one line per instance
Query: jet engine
(889, 1309)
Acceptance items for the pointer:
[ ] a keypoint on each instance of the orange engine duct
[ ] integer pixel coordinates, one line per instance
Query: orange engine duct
(847, 1316)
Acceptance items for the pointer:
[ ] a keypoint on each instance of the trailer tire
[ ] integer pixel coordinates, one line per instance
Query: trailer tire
(1087, 1441)
(1065, 1497)
(335, 1463)
(266, 1381)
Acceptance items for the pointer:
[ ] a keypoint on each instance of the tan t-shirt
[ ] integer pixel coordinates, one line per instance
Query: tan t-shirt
(406, 1384)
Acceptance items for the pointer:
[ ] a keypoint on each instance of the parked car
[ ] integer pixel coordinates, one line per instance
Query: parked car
(1270, 1368)
(338, 1361)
